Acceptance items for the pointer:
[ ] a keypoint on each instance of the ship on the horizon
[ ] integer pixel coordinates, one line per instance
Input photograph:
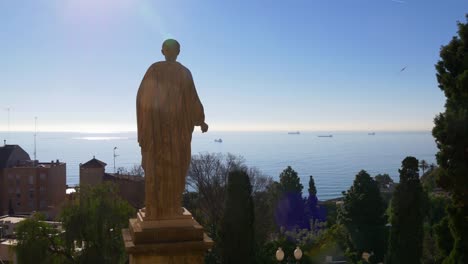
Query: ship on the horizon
(371, 134)
(294, 133)
(218, 140)
(325, 136)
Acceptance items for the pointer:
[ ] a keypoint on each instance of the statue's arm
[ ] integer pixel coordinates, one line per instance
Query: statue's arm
(198, 113)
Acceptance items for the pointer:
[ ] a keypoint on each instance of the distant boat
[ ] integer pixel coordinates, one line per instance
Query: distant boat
(371, 134)
(218, 140)
(325, 135)
(294, 133)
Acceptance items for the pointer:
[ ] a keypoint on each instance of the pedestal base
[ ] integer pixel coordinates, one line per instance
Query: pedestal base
(180, 240)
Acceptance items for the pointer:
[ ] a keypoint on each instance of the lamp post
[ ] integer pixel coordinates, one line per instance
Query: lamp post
(115, 157)
(280, 255)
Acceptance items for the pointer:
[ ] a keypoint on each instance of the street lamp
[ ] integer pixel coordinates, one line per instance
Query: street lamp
(297, 254)
(279, 254)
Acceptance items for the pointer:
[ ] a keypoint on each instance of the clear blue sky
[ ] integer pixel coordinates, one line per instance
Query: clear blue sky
(257, 65)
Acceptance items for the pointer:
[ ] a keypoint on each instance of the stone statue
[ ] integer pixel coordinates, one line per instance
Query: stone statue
(168, 109)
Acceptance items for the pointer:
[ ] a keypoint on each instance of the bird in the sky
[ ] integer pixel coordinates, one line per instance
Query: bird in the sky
(404, 68)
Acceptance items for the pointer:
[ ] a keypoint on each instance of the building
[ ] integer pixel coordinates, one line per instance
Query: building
(131, 187)
(28, 186)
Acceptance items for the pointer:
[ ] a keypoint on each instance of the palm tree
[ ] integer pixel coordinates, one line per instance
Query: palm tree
(423, 165)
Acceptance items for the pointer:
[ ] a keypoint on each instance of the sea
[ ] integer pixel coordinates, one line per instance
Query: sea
(333, 161)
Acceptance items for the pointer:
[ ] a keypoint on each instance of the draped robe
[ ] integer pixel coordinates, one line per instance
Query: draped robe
(168, 108)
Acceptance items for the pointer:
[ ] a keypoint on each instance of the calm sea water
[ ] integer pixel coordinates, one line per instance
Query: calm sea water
(332, 161)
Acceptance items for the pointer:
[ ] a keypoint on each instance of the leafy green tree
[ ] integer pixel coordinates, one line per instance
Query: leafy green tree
(290, 211)
(362, 214)
(407, 216)
(312, 190)
(95, 222)
(443, 237)
(290, 182)
(451, 134)
(383, 180)
(92, 230)
(237, 225)
(39, 242)
(429, 179)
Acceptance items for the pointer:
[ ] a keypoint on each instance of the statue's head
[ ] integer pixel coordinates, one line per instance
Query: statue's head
(170, 49)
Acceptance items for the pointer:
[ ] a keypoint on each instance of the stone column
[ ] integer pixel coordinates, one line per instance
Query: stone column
(179, 240)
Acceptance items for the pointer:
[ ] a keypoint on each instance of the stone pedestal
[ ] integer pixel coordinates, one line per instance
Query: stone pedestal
(177, 240)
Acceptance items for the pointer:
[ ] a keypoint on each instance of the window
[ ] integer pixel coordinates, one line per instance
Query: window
(31, 179)
(42, 176)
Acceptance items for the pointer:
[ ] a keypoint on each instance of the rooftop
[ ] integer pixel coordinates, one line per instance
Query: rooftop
(9, 154)
(12, 219)
(93, 163)
(112, 176)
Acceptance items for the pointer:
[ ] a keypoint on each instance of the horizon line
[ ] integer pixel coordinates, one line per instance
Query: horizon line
(223, 130)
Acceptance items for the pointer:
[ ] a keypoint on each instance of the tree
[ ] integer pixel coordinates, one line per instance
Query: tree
(451, 134)
(237, 226)
(443, 237)
(135, 170)
(362, 214)
(312, 190)
(407, 216)
(290, 182)
(205, 195)
(39, 242)
(290, 211)
(314, 212)
(92, 230)
(383, 180)
(423, 165)
(95, 222)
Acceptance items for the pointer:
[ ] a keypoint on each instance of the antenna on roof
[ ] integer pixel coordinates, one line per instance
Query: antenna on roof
(8, 109)
(35, 136)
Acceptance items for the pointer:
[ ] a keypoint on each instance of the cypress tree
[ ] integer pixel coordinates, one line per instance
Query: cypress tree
(237, 226)
(451, 134)
(407, 216)
(362, 214)
(312, 190)
(313, 211)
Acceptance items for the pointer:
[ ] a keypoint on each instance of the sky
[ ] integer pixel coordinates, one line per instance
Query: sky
(324, 65)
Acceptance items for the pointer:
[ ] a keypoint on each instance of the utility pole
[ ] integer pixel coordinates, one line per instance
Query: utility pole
(8, 109)
(115, 155)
